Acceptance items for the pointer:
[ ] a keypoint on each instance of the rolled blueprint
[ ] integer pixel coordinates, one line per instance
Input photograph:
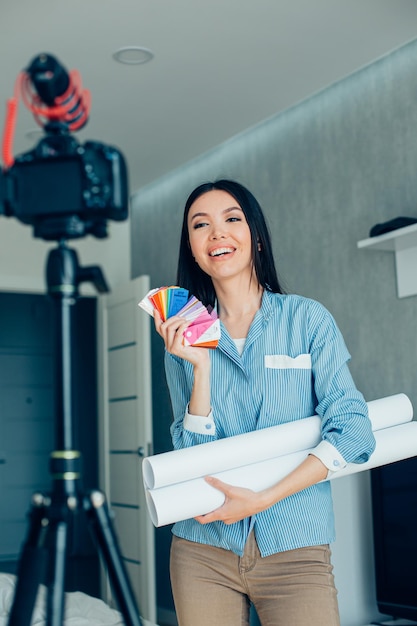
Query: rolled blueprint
(187, 499)
(221, 455)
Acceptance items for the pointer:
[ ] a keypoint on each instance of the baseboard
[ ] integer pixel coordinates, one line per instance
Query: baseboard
(393, 622)
(166, 617)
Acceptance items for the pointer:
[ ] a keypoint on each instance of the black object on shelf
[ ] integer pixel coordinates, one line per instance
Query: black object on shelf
(387, 227)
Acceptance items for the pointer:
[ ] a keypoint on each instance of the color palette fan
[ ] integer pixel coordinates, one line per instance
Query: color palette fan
(204, 328)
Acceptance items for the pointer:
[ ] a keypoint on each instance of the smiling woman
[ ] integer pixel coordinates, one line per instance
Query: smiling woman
(269, 548)
(247, 210)
(220, 238)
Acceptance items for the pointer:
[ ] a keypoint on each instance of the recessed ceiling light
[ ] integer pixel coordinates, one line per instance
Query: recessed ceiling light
(133, 55)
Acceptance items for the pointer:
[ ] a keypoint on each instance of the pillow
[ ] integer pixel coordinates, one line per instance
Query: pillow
(7, 585)
(80, 608)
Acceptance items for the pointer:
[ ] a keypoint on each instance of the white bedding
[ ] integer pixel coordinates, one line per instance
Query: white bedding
(80, 608)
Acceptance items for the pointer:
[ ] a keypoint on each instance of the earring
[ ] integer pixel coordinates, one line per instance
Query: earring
(259, 246)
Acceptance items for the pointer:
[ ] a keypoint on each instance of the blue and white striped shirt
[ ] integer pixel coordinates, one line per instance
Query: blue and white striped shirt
(293, 365)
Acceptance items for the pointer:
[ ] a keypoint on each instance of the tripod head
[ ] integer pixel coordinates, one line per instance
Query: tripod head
(64, 273)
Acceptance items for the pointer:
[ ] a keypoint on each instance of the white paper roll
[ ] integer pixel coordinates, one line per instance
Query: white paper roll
(221, 455)
(187, 499)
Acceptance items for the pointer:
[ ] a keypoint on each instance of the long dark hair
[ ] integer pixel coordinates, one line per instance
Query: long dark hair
(189, 274)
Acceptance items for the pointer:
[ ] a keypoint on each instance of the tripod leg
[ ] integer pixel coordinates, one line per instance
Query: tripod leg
(31, 565)
(55, 580)
(98, 514)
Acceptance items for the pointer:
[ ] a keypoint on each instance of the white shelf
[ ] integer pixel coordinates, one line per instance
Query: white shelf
(399, 239)
(403, 243)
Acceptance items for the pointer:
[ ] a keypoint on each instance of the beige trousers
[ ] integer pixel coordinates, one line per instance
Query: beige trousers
(214, 587)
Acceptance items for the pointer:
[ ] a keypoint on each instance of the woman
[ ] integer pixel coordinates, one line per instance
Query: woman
(280, 358)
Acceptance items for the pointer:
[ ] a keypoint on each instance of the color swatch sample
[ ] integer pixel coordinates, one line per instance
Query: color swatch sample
(204, 328)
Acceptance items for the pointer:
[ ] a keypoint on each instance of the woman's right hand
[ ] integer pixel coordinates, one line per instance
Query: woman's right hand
(172, 332)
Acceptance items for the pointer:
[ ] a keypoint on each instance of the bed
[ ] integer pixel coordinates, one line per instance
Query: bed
(80, 608)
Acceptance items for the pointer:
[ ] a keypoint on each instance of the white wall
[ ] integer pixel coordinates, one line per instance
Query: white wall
(23, 258)
(354, 547)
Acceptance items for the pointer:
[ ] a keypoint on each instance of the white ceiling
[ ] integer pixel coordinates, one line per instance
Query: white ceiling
(220, 66)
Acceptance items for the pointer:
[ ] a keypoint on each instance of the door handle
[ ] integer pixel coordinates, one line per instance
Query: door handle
(142, 452)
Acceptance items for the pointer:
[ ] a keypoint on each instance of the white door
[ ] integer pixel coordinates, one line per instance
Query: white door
(126, 430)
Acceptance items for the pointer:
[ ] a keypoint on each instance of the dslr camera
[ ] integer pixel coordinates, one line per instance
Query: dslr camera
(63, 188)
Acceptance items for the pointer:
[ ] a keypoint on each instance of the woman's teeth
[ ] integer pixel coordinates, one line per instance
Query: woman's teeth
(221, 251)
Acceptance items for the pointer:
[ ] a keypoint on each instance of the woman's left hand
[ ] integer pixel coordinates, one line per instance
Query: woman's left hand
(239, 503)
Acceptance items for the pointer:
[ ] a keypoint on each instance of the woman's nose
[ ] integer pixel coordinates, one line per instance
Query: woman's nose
(218, 232)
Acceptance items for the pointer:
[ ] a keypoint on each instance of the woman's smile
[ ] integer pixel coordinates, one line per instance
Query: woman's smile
(221, 252)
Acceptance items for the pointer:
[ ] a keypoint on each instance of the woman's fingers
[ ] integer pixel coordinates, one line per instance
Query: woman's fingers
(171, 331)
(174, 333)
(239, 503)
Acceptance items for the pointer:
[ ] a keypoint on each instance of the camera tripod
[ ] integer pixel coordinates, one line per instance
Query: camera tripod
(44, 551)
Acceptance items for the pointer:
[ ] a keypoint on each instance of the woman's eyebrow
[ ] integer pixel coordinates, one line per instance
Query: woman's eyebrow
(225, 211)
(199, 214)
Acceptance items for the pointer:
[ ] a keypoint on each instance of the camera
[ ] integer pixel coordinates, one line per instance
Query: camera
(63, 188)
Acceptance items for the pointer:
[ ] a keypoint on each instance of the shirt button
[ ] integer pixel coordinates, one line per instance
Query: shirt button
(208, 426)
(336, 463)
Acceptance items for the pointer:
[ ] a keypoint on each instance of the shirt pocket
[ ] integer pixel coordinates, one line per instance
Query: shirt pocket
(288, 391)
(283, 361)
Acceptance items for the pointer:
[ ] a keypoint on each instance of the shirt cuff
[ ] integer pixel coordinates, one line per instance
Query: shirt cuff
(329, 456)
(200, 424)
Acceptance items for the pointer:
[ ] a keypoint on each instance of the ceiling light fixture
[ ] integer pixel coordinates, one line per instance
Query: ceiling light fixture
(133, 55)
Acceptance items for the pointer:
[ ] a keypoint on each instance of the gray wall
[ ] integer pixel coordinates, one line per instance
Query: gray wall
(325, 171)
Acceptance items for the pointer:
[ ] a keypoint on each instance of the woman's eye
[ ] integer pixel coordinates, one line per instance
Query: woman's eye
(199, 225)
(234, 219)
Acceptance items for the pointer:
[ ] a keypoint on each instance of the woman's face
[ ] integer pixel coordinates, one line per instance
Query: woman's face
(219, 236)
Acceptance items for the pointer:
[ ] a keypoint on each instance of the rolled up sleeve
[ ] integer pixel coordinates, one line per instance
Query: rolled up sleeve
(345, 421)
